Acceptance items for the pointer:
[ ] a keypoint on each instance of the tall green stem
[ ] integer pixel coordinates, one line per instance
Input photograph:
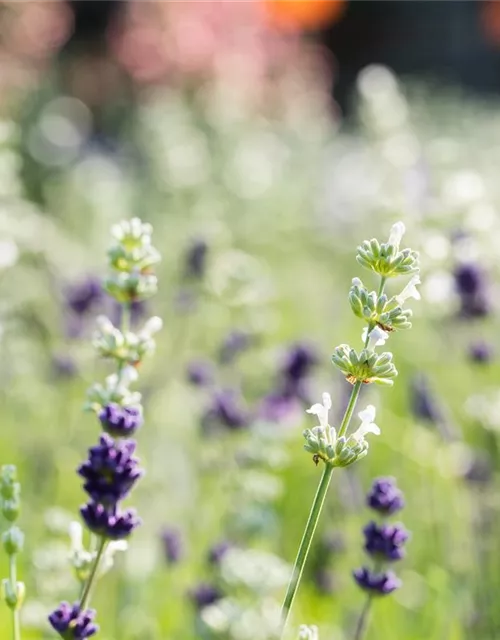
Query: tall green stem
(305, 543)
(317, 505)
(314, 515)
(363, 619)
(84, 599)
(16, 625)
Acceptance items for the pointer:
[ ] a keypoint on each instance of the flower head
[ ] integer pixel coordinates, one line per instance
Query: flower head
(200, 373)
(84, 295)
(172, 544)
(120, 421)
(226, 409)
(73, 624)
(385, 542)
(204, 594)
(385, 497)
(109, 523)
(218, 551)
(308, 632)
(111, 470)
(377, 584)
(196, 260)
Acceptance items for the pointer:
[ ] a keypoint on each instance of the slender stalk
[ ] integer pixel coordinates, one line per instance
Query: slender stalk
(363, 619)
(382, 285)
(16, 625)
(317, 507)
(305, 543)
(350, 408)
(84, 599)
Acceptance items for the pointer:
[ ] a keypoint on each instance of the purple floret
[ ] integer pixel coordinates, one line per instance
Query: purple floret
(381, 584)
(385, 542)
(109, 523)
(120, 421)
(385, 497)
(111, 470)
(73, 624)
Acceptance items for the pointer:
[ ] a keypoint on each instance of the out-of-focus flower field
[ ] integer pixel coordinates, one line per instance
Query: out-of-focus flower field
(259, 193)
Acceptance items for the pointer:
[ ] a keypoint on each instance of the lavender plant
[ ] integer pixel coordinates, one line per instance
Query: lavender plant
(382, 315)
(12, 541)
(384, 543)
(111, 469)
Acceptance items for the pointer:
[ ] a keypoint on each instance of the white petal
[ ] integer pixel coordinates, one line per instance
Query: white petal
(153, 325)
(317, 409)
(76, 535)
(397, 232)
(410, 291)
(327, 401)
(377, 338)
(368, 414)
(364, 429)
(369, 428)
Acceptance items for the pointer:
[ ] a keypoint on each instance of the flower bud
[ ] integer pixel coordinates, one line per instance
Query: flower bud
(13, 597)
(13, 541)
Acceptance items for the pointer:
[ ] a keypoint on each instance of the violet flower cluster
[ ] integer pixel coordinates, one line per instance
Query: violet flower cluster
(384, 542)
(111, 469)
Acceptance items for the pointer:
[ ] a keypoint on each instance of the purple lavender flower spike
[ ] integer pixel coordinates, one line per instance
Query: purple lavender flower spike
(111, 470)
(324, 579)
(82, 296)
(109, 523)
(422, 401)
(73, 624)
(196, 260)
(279, 406)
(298, 362)
(480, 352)
(385, 542)
(234, 343)
(226, 409)
(204, 594)
(377, 584)
(471, 286)
(120, 421)
(172, 544)
(218, 551)
(385, 497)
(200, 373)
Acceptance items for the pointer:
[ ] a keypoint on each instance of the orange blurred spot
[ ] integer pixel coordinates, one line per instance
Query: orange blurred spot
(490, 21)
(304, 14)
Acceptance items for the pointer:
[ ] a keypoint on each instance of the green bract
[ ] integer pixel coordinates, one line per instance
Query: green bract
(367, 366)
(386, 259)
(378, 309)
(337, 452)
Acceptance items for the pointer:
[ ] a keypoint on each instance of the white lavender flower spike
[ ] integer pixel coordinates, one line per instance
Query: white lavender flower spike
(335, 446)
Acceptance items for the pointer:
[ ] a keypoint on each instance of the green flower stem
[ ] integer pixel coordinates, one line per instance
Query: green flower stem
(363, 619)
(85, 597)
(382, 285)
(350, 408)
(305, 544)
(314, 515)
(317, 507)
(16, 624)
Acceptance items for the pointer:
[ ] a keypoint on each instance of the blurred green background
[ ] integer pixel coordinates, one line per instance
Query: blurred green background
(216, 123)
